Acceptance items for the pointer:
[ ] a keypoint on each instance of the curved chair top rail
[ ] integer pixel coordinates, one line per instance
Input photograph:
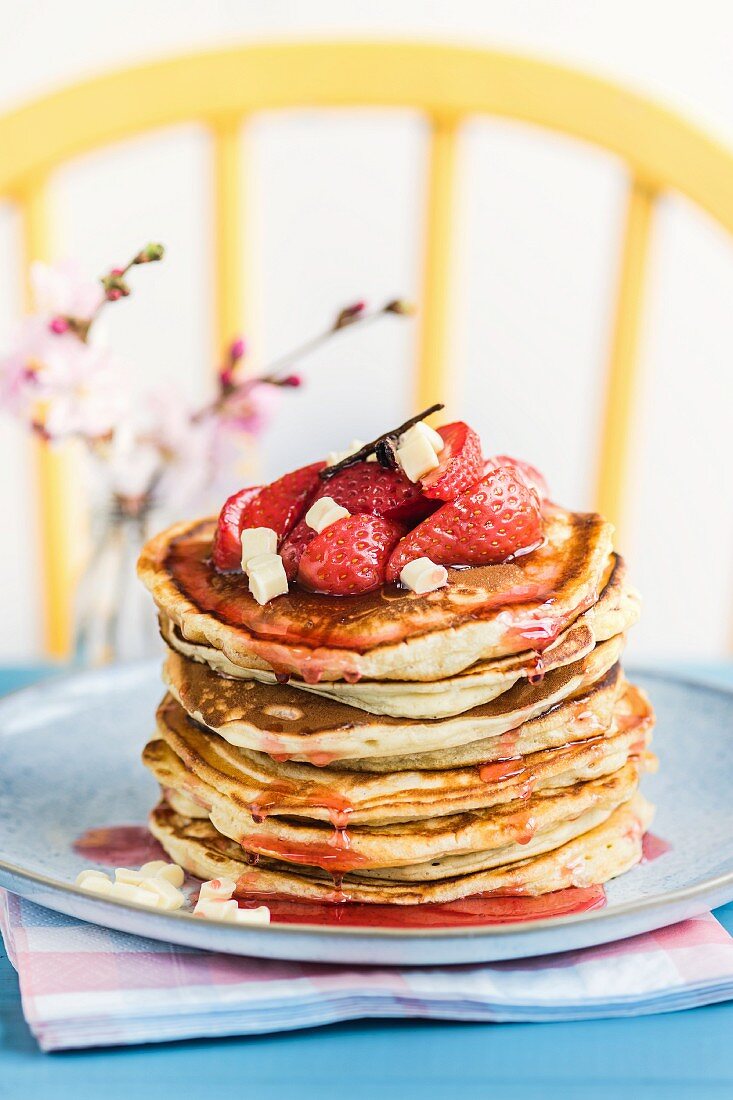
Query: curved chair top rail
(448, 82)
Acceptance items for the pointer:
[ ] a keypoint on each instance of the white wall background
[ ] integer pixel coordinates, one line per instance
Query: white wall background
(337, 208)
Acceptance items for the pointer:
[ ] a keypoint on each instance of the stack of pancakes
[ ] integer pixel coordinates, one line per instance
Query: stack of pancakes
(403, 748)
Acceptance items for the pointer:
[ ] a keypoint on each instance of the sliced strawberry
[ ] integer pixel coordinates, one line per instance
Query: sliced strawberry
(292, 549)
(281, 504)
(369, 487)
(496, 518)
(365, 487)
(349, 556)
(227, 550)
(461, 463)
(525, 470)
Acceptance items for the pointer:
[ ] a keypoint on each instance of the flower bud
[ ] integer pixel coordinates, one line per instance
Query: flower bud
(349, 315)
(236, 350)
(400, 306)
(150, 253)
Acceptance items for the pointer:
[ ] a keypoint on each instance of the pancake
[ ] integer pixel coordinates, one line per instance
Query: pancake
(593, 857)
(423, 836)
(590, 711)
(485, 612)
(204, 763)
(285, 722)
(615, 612)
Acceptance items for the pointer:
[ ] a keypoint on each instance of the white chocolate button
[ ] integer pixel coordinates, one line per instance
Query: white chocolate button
(172, 873)
(435, 439)
(323, 513)
(214, 909)
(416, 455)
(126, 891)
(267, 577)
(260, 915)
(91, 875)
(423, 575)
(126, 874)
(334, 457)
(165, 892)
(256, 541)
(217, 888)
(154, 866)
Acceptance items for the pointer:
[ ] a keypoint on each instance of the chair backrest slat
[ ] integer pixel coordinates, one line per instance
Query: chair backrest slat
(56, 468)
(228, 224)
(434, 363)
(622, 372)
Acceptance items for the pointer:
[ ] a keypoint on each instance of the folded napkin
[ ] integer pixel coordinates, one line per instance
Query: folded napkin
(85, 986)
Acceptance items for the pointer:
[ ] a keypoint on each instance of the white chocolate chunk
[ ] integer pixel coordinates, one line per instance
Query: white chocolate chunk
(216, 909)
(423, 575)
(323, 513)
(334, 457)
(154, 866)
(267, 577)
(126, 891)
(217, 888)
(256, 541)
(126, 874)
(164, 891)
(172, 873)
(435, 439)
(98, 884)
(260, 915)
(416, 456)
(89, 875)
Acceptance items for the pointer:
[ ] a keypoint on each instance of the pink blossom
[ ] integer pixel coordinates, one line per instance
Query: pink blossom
(250, 407)
(81, 387)
(63, 290)
(20, 369)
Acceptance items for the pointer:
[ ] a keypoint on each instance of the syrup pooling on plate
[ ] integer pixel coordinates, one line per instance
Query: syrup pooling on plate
(468, 912)
(119, 845)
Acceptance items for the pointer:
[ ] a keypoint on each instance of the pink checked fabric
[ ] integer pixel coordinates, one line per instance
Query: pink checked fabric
(85, 986)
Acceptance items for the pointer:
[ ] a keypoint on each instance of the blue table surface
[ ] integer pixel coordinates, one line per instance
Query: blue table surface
(683, 1054)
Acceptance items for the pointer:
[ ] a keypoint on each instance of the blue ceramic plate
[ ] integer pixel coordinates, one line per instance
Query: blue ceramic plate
(70, 761)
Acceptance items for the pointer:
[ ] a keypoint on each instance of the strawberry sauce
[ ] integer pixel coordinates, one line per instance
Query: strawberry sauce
(653, 846)
(119, 846)
(477, 910)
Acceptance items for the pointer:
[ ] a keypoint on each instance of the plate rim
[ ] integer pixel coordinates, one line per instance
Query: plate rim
(511, 928)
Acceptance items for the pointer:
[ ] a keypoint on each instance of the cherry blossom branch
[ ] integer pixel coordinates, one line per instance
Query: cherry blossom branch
(275, 375)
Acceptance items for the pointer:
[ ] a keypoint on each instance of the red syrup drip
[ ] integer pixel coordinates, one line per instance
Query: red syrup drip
(477, 910)
(323, 854)
(537, 674)
(119, 846)
(653, 846)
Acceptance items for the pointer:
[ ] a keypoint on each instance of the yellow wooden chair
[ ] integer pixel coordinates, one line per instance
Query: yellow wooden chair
(224, 88)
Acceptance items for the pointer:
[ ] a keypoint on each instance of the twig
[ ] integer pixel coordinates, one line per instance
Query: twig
(371, 448)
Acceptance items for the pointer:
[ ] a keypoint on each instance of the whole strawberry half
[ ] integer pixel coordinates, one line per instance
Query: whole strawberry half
(350, 556)
(281, 504)
(494, 519)
(227, 549)
(365, 487)
(525, 470)
(461, 463)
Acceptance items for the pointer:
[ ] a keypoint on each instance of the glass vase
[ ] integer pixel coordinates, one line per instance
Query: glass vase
(113, 616)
